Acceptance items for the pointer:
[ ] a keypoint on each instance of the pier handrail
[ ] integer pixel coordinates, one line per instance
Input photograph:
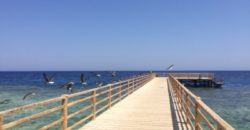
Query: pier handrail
(198, 75)
(114, 91)
(197, 113)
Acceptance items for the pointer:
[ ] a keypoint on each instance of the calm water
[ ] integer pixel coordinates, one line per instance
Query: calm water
(232, 102)
(14, 85)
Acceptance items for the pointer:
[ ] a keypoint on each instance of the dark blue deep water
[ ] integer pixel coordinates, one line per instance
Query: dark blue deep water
(231, 102)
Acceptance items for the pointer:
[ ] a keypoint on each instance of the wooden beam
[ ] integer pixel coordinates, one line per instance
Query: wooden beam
(94, 104)
(64, 114)
(110, 96)
(1, 122)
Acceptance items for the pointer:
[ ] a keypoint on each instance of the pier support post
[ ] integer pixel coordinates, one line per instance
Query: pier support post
(94, 104)
(195, 83)
(64, 114)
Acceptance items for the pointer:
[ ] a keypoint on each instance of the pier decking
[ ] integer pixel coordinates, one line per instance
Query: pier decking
(146, 109)
(143, 102)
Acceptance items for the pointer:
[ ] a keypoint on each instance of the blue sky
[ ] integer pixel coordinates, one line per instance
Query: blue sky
(125, 35)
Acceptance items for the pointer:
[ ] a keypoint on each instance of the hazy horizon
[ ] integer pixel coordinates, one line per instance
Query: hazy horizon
(121, 70)
(124, 35)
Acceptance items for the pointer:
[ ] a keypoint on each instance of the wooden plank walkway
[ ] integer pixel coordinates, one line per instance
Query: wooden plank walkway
(149, 108)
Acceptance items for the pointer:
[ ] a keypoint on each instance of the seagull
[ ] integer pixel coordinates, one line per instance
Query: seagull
(48, 80)
(114, 81)
(28, 94)
(83, 80)
(99, 83)
(170, 67)
(68, 85)
(5, 101)
(113, 74)
(98, 75)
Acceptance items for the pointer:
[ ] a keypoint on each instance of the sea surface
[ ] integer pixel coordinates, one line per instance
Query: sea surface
(14, 85)
(231, 102)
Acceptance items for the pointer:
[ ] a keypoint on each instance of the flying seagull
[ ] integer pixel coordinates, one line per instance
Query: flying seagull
(98, 75)
(99, 83)
(48, 80)
(113, 74)
(28, 94)
(83, 80)
(170, 67)
(5, 101)
(68, 85)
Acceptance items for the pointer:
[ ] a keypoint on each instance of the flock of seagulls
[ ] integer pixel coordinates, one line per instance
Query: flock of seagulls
(49, 80)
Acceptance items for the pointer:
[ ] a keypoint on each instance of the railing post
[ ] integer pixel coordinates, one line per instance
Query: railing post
(140, 81)
(110, 96)
(128, 87)
(219, 127)
(64, 114)
(94, 104)
(198, 117)
(133, 84)
(187, 107)
(1, 122)
(120, 91)
(181, 101)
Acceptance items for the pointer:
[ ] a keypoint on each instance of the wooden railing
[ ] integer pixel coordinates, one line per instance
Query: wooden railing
(198, 115)
(192, 75)
(99, 99)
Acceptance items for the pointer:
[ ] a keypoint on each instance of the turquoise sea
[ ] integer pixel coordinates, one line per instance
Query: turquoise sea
(231, 102)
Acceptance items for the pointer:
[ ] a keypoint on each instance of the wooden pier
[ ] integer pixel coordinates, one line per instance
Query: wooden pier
(146, 109)
(144, 102)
